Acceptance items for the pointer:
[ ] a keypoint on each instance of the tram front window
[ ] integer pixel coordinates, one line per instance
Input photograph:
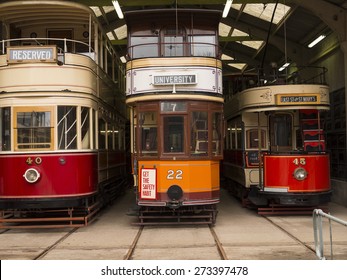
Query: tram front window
(173, 134)
(33, 130)
(281, 132)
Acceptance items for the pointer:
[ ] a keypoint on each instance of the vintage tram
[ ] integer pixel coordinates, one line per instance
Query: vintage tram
(63, 115)
(275, 152)
(174, 89)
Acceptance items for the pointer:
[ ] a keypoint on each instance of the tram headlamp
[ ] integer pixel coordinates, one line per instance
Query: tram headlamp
(31, 175)
(300, 174)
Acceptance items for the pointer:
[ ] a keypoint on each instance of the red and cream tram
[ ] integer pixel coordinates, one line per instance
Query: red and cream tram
(275, 152)
(62, 110)
(174, 89)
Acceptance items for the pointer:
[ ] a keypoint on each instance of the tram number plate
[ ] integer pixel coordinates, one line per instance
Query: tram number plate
(148, 183)
(171, 174)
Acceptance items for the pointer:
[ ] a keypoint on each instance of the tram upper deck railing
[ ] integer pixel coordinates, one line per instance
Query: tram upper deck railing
(173, 49)
(290, 76)
(63, 45)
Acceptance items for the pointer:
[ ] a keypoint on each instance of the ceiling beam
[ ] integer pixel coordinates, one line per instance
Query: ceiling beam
(130, 3)
(294, 50)
(332, 15)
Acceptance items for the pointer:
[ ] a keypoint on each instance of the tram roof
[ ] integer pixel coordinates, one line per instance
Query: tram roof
(31, 13)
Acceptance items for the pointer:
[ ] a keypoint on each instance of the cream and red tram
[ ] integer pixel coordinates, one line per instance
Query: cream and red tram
(62, 110)
(174, 89)
(283, 124)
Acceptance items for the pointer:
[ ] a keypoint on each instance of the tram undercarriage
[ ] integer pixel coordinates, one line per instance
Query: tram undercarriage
(191, 215)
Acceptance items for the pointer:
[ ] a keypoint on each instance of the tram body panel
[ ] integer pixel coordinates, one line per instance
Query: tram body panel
(79, 76)
(186, 78)
(60, 175)
(198, 180)
(279, 173)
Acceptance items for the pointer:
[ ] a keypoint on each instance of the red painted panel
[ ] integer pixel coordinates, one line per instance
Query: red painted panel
(279, 169)
(60, 174)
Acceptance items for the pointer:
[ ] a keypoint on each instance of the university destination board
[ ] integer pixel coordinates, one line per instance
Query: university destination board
(174, 79)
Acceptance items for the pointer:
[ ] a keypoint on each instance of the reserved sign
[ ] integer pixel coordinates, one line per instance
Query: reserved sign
(31, 54)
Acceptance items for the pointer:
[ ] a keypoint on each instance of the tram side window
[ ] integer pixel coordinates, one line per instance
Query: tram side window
(85, 128)
(174, 134)
(144, 47)
(199, 134)
(173, 42)
(102, 134)
(253, 138)
(67, 127)
(203, 45)
(281, 132)
(149, 138)
(119, 137)
(5, 131)
(33, 129)
(217, 121)
(110, 134)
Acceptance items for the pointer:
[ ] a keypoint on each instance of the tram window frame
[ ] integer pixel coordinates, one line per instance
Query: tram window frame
(200, 133)
(149, 49)
(102, 134)
(5, 129)
(68, 129)
(252, 135)
(281, 148)
(217, 131)
(85, 128)
(174, 145)
(27, 143)
(197, 45)
(181, 48)
(148, 144)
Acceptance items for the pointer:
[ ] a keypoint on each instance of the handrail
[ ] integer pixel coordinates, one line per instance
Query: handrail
(37, 41)
(157, 49)
(318, 231)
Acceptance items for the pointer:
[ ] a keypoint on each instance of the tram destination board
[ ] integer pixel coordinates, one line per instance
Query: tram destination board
(284, 99)
(174, 79)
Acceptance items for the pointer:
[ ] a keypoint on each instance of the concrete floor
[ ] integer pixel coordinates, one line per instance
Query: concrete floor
(243, 233)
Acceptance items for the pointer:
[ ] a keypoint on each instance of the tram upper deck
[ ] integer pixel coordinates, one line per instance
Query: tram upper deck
(65, 48)
(302, 88)
(173, 58)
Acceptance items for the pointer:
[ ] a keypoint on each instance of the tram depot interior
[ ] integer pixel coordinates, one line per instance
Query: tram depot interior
(248, 39)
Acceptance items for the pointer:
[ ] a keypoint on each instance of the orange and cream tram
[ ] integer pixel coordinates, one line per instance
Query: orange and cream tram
(62, 108)
(275, 152)
(174, 89)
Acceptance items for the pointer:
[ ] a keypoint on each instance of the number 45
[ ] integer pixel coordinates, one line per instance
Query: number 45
(298, 161)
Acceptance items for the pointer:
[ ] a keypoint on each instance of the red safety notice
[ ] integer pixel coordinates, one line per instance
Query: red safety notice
(148, 183)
